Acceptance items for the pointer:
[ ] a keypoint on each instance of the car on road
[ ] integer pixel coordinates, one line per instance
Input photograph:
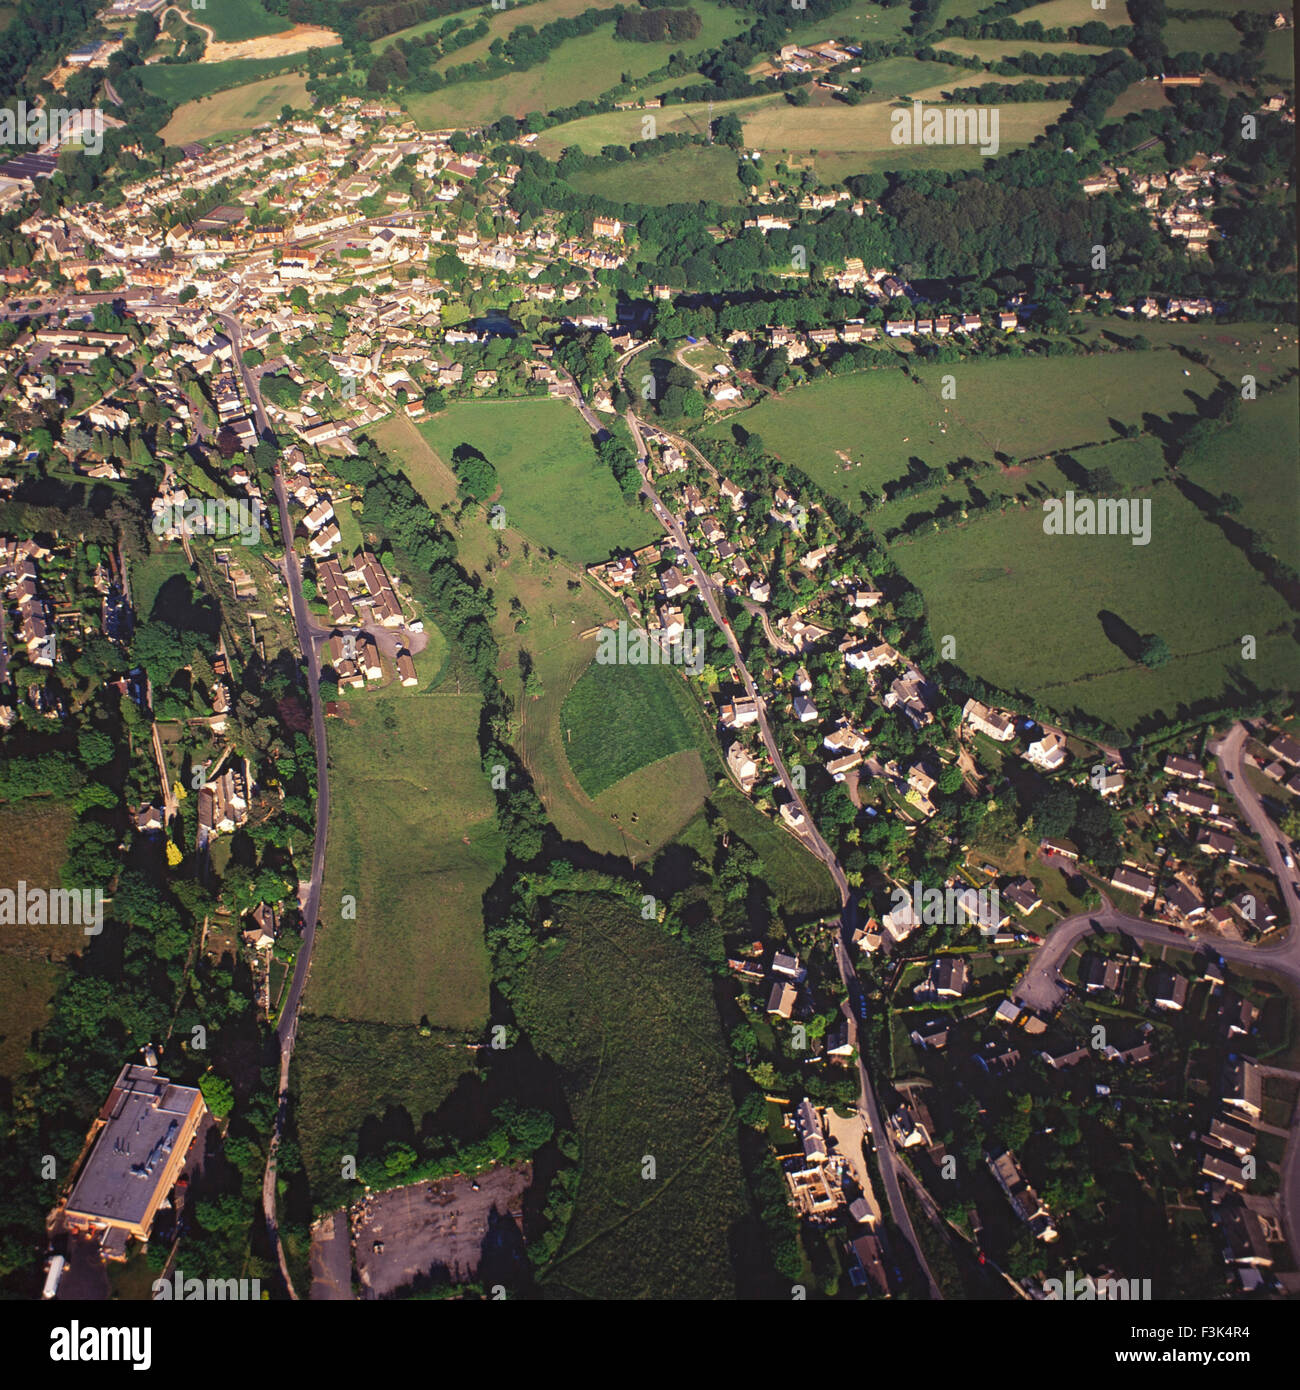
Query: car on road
(1286, 855)
(1228, 775)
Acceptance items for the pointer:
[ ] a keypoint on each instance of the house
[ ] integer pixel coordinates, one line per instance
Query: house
(808, 1126)
(805, 710)
(1182, 899)
(783, 998)
(1023, 896)
(1228, 1134)
(995, 723)
(1245, 1240)
(405, 667)
(1194, 803)
(1214, 842)
(900, 922)
(1184, 767)
(1065, 1059)
(739, 713)
(1102, 972)
(1048, 752)
(949, 977)
(1024, 1200)
(742, 766)
(1237, 1015)
(1062, 849)
(1243, 1089)
(1168, 988)
(788, 966)
(1221, 1166)
(1134, 881)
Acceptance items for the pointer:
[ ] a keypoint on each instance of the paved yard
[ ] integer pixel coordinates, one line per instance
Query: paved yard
(442, 1229)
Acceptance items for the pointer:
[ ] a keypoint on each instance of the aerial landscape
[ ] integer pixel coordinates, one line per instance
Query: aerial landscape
(649, 652)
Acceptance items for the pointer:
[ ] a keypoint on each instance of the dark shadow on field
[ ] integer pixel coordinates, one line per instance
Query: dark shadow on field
(1127, 639)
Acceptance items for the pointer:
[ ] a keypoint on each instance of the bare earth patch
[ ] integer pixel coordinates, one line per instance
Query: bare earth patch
(296, 40)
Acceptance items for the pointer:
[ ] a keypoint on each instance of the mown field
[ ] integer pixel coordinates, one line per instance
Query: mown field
(228, 104)
(1032, 612)
(994, 50)
(579, 69)
(682, 176)
(844, 138)
(1061, 14)
(553, 486)
(33, 834)
(619, 718)
(1201, 36)
(1023, 408)
(413, 839)
(627, 1014)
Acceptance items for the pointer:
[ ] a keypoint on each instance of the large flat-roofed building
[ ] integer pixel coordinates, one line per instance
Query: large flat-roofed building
(140, 1139)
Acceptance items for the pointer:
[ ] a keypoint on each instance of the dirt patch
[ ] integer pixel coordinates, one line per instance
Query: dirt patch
(296, 40)
(440, 1230)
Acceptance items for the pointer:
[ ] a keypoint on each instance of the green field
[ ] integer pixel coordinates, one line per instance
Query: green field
(413, 839)
(553, 486)
(689, 175)
(619, 718)
(1255, 460)
(1061, 14)
(1134, 462)
(580, 69)
(1201, 36)
(232, 20)
(1027, 609)
(150, 574)
(627, 1014)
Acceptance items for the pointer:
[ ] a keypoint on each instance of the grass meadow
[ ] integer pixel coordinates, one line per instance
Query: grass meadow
(413, 839)
(33, 834)
(553, 486)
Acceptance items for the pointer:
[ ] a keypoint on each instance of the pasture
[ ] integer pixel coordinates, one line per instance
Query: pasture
(413, 841)
(33, 836)
(1254, 459)
(554, 488)
(1053, 615)
(879, 419)
(579, 69)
